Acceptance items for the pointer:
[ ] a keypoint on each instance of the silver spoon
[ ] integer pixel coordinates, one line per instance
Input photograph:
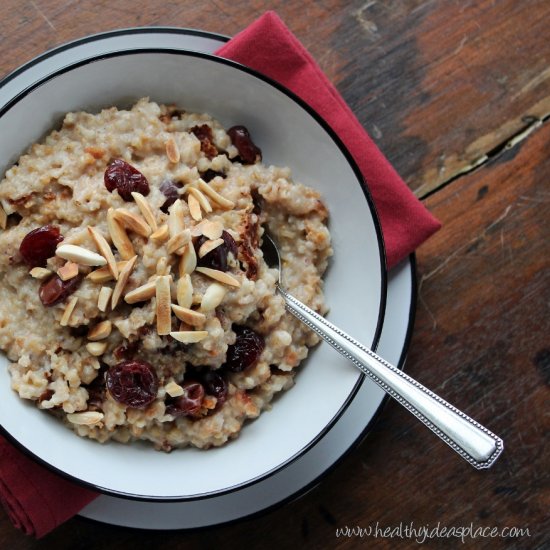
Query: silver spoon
(473, 442)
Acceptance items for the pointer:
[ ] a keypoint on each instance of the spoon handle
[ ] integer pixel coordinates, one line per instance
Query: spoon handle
(474, 443)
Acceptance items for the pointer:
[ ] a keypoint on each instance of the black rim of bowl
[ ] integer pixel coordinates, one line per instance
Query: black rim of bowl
(360, 180)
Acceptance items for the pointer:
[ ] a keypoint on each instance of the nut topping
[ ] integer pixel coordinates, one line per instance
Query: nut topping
(87, 418)
(220, 276)
(161, 234)
(194, 207)
(122, 280)
(103, 274)
(208, 246)
(203, 201)
(224, 203)
(188, 261)
(80, 255)
(177, 242)
(68, 271)
(119, 237)
(176, 220)
(189, 336)
(104, 297)
(104, 250)
(164, 321)
(212, 230)
(96, 348)
(213, 297)
(40, 273)
(189, 316)
(172, 151)
(145, 209)
(100, 331)
(142, 293)
(69, 308)
(132, 221)
(184, 292)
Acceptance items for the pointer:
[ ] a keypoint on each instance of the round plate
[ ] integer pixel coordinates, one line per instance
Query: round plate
(352, 425)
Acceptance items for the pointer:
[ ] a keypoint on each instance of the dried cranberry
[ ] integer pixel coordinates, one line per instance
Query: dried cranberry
(246, 350)
(39, 245)
(215, 384)
(133, 383)
(54, 290)
(170, 190)
(204, 135)
(125, 179)
(249, 153)
(188, 404)
(210, 174)
(217, 258)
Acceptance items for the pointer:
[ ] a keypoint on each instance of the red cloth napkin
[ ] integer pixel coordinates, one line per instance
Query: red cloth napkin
(38, 500)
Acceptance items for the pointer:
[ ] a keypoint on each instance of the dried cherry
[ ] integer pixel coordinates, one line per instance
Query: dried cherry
(39, 244)
(54, 290)
(125, 179)
(249, 153)
(210, 174)
(217, 258)
(133, 383)
(169, 189)
(188, 404)
(246, 350)
(204, 134)
(216, 385)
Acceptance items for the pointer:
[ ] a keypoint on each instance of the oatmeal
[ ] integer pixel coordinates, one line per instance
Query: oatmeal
(135, 303)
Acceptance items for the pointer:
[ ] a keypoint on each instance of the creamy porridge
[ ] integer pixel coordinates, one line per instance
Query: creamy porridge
(134, 300)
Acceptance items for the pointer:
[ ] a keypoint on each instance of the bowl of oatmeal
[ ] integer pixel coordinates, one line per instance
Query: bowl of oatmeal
(145, 350)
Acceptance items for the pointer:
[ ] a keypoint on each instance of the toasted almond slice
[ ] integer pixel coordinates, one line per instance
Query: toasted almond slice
(172, 151)
(173, 389)
(215, 196)
(164, 321)
(189, 316)
(122, 280)
(161, 234)
(132, 221)
(189, 336)
(68, 271)
(208, 246)
(213, 297)
(119, 237)
(100, 331)
(40, 272)
(3, 218)
(194, 208)
(201, 197)
(212, 230)
(188, 261)
(176, 220)
(196, 230)
(105, 250)
(184, 293)
(104, 297)
(142, 293)
(96, 348)
(177, 242)
(69, 308)
(103, 274)
(145, 209)
(80, 255)
(163, 268)
(220, 276)
(86, 418)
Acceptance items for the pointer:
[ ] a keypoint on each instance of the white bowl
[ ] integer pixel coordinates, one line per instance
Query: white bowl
(289, 134)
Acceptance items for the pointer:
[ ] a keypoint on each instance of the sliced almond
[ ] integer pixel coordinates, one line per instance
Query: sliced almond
(176, 219)
(184, 292)
(194, 208)
(86, 418)
(80, 255)
(100, 331)
(104, 297)
(173, 389)
(3, 218)
(189, 316)
(132, 221)
(104, 250)
(96, 348)
(164, 321)
(208, 246)
(172, 151)
(189, 336)
(188, 261)
(122, 280)
(220, 276)
(142, 293)
(145, 209)
(215, 196)
(40, 272)
(103, 274)
(161, 234)
(69, 308)
(68, 271)
(212, 230)
(201, 197)
(196, 230)
(119, 237)
(177, 242)
(213, 297)
(163, 267)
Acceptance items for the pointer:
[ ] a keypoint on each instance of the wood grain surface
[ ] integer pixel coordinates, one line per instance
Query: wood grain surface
(457, 95)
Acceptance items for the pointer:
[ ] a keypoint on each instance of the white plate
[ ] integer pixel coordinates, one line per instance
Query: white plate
(302, 472)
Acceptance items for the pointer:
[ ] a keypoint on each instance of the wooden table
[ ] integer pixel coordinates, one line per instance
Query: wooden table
(457, 95)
